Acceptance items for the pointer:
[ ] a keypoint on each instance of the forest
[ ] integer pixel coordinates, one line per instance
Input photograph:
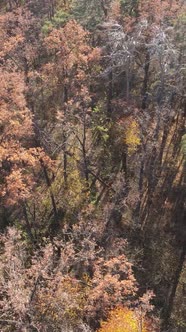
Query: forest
(92, 166)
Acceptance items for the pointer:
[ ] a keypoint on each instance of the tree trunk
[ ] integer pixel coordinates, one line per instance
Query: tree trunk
(169, 305)
(54, 226)
(145, 81)
(65, 160)
(109, 96)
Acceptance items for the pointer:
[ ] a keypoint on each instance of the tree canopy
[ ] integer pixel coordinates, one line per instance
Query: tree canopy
(92, 166)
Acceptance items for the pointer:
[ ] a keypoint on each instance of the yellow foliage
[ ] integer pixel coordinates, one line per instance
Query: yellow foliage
(132, 136)
(124, 320)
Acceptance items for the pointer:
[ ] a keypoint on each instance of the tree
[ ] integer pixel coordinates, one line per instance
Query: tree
(73, 57)
(126, 320)
(20, 160)
(16, 123)
(90, 13)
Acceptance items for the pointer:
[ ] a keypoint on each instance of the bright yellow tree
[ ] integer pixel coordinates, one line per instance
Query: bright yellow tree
(124, 320)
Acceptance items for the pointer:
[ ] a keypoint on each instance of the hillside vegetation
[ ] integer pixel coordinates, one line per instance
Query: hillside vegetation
(92, 166)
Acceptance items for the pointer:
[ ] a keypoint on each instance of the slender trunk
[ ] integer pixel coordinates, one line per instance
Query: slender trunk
(161, 152)
(10, 5)
(4, 220)
(84, 151)
(169, 305)
(109, 96)
(65, 160)
(124, 164)
(145, 81)
(55, 224)
(104, 8)
(28, 226)
(52, 8)
(128, 83)
(140, 188)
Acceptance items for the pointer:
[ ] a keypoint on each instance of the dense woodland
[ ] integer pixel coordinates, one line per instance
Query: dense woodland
(92, 166)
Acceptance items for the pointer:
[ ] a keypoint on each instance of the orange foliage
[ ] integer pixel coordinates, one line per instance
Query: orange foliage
(16, 136)
(16, 131)
(115, 10)
(113, 283)
(151, 14)
(157, 11)
(72, 55)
